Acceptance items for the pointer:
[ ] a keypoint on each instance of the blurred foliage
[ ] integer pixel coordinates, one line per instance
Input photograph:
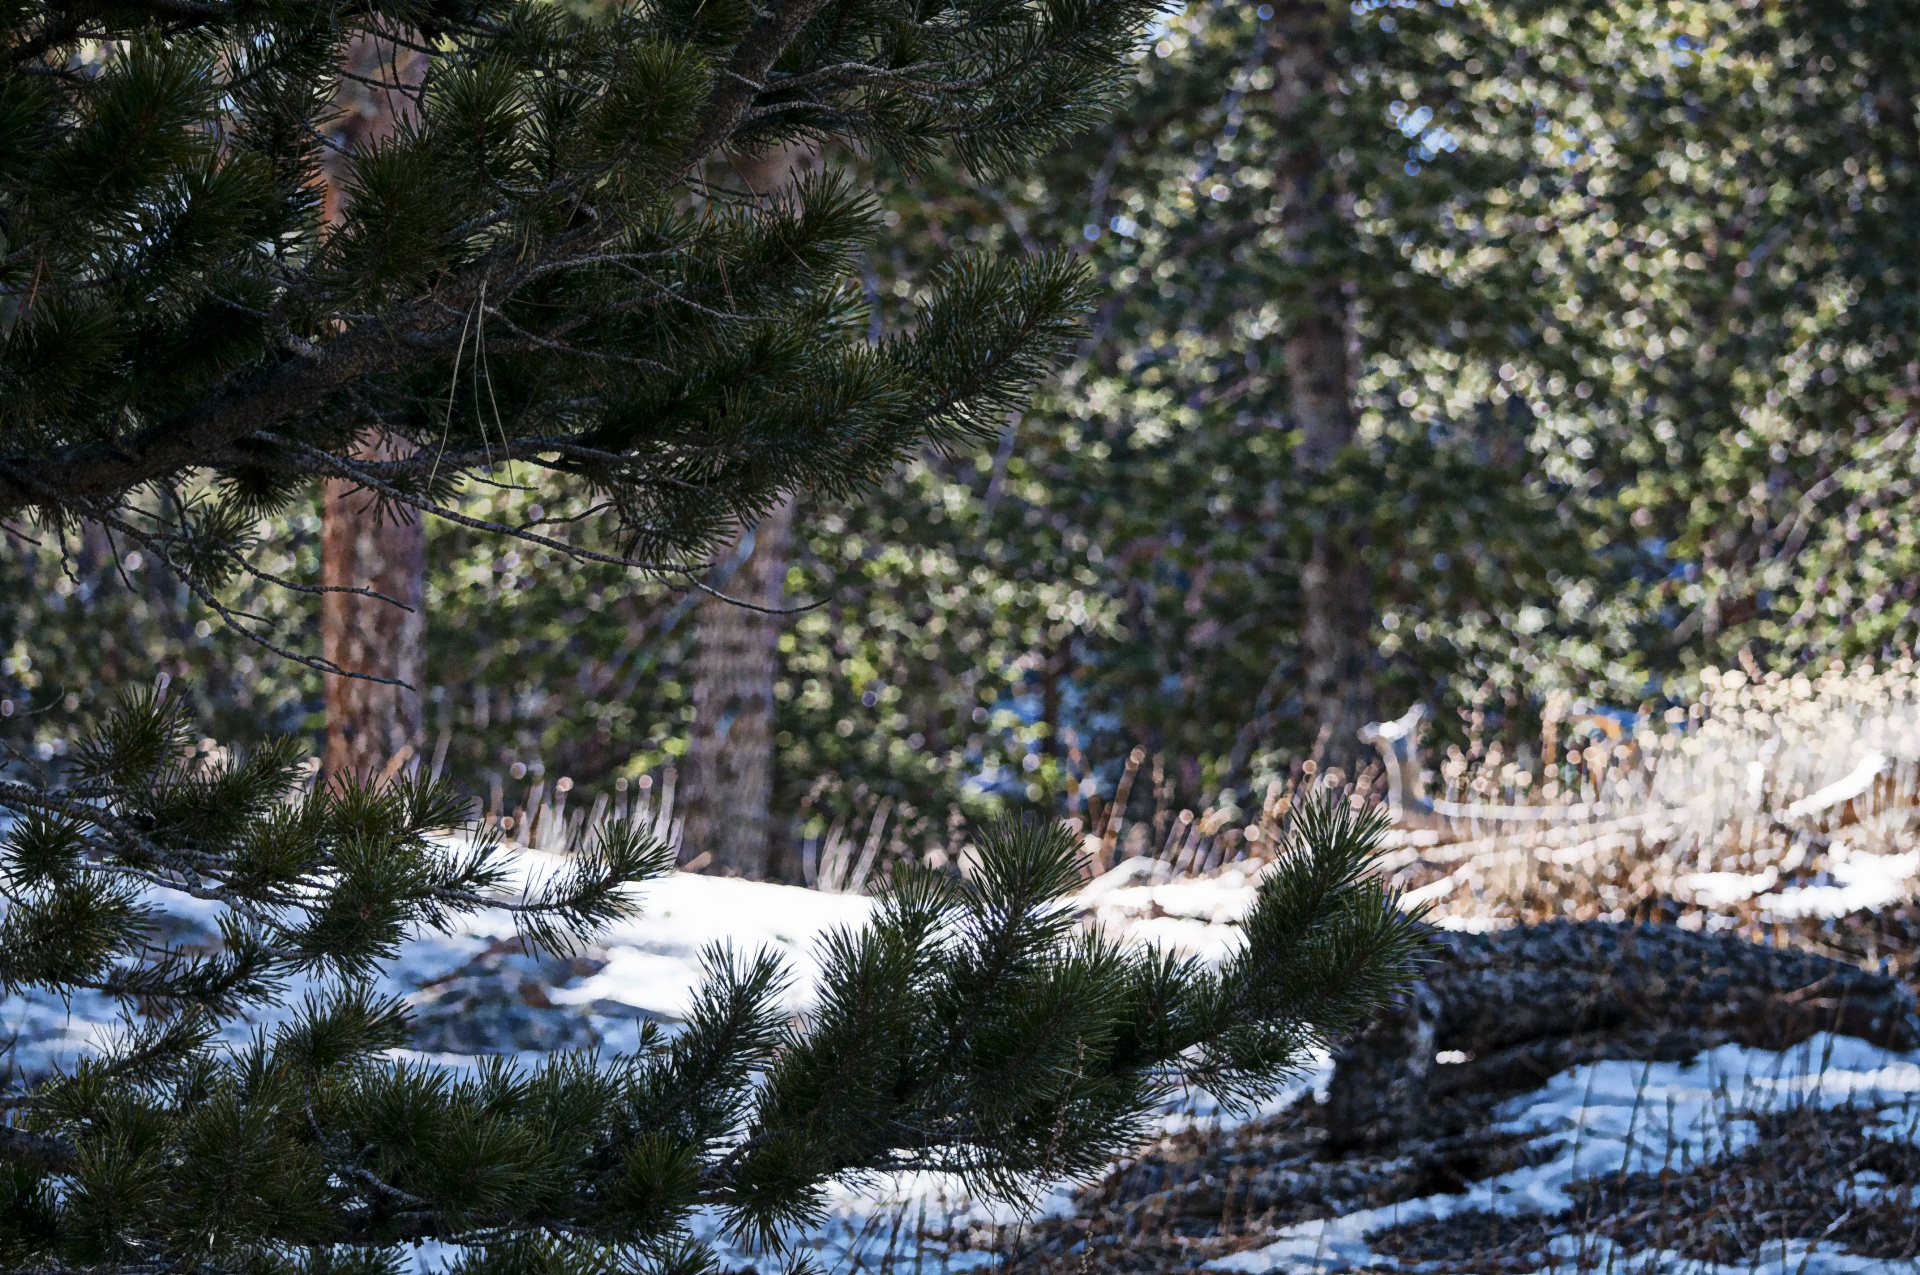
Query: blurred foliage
(81, 625)
(1634, 284)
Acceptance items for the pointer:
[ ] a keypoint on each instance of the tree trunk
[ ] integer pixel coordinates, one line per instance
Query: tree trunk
(1336, 586)
(727, 778)
(370, 724)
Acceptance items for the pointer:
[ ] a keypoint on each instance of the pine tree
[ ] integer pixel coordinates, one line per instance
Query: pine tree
(375, 719)
(726, 779)
(548, 269)
(1317, 335)
(1721, 201)
(544, 280)
(1182, 501)
(370, 723)
(1633, 320)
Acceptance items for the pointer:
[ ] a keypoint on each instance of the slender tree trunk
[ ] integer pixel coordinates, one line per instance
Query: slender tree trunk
(1336, 586)
(370, 724)
(727, 778)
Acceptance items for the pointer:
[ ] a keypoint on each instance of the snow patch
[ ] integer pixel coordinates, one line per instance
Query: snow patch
(1622, 1117)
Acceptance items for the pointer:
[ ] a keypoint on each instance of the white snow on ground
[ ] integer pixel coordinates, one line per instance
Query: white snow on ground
(928, 1222)
(654, 957)
(1618, 1117)
(1602, 1117)
(652, 966)
(1140, 902)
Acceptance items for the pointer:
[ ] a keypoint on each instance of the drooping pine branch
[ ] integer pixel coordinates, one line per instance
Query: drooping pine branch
(540, 268)
(970, 1028)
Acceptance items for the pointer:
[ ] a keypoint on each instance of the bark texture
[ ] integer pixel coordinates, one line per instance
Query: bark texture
(369, 723)
(1336, 586)
(1525, 1004)
(727, 779)
(373, 728)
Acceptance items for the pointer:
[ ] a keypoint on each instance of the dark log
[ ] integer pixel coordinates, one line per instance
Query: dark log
(1525, 1003)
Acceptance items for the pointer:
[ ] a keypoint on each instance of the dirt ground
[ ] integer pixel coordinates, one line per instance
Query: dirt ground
(1802, 1173)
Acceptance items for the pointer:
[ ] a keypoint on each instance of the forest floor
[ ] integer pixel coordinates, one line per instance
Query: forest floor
(1799, 1161)
(1737, 1159)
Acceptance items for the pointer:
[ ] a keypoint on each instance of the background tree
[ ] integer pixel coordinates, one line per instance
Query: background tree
(370, 545)
(375, 721)
(1554, 486)
(1519, 180)
(1719, 203)
(729, 760)
(727, 779)
(1166, 473)
(1317, 334)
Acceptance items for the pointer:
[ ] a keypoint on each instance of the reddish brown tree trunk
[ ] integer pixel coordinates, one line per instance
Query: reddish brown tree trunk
(1336, 586)
(373, 728)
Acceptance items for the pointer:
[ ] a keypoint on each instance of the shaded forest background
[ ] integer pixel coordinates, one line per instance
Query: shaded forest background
(1509, 359)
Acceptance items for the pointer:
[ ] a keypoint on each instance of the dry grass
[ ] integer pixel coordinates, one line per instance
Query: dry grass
(1776, 781)
(1772, 781)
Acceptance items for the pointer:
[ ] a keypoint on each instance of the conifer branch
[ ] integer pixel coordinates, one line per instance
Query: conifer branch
(683, 354)
(774, 28)
(362, 474)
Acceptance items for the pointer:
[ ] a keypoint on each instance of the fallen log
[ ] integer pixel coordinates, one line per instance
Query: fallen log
(1510, 1008)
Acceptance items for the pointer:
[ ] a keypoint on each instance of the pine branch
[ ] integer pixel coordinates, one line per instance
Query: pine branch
(775, 27)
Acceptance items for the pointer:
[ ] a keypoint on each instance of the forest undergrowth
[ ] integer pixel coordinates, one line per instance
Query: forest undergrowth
(1780, 809)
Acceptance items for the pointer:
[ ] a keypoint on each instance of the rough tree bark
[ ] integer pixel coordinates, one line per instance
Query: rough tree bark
(372, 727)
(727, 777)
(1336, 587)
